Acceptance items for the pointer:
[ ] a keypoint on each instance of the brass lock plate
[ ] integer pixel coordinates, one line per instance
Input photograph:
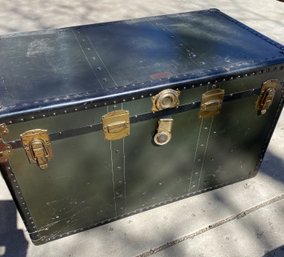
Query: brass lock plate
(211, 103)
(267, 93)
(5, 149)
(166, 99)
(164, 131)
(37, 146)
(116, 125)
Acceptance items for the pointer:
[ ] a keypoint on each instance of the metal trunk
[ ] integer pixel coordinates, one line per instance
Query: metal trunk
(112, 119)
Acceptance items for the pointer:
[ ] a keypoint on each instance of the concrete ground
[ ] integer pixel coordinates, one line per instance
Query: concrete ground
(244, 219)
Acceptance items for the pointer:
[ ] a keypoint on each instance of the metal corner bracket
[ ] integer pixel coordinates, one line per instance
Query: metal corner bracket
(5, 149)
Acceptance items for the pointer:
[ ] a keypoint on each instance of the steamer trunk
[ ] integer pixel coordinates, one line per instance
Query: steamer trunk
(122, 117)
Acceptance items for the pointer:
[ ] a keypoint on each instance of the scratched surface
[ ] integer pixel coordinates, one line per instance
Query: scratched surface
(92, 181)
(91, 61)
(149, 230)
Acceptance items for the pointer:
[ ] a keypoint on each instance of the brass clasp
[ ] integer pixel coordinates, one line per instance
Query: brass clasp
(5, 149)
(116, 124)
(267, 93)
(211, 103)
(164, 131)
(37, 146)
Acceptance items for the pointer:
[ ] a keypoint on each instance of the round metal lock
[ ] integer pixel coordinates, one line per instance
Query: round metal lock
(166, 99)
(162, 138)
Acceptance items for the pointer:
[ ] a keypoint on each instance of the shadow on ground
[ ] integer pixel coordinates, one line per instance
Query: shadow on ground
(12, 241)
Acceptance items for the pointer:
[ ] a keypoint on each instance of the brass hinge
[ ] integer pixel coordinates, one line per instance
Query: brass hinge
(164, 131)
(168, 98)
(5, 149)
(211, 103)
(116, 125)
(267, 93)
(37, 146)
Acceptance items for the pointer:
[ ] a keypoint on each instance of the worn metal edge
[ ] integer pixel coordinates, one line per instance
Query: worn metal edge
(269, 136)
(16, 193)
(87, 102)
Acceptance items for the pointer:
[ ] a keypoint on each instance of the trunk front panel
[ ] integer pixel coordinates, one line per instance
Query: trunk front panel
(91, 181)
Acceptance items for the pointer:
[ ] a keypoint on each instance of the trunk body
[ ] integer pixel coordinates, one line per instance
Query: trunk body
(66, 80)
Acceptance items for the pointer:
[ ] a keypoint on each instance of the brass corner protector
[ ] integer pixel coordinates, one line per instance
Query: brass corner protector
(5, 149)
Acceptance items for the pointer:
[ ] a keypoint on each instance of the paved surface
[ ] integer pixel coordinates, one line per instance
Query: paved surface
(244, 219)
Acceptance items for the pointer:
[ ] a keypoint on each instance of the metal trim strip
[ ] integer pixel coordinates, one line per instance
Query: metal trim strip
(137, 118)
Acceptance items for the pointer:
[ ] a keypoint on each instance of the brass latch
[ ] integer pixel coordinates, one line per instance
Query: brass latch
(211, 103)
(267, 93)
(116, 124)
(164, 131)
(166, 99)
(5, 149)
(37, 146)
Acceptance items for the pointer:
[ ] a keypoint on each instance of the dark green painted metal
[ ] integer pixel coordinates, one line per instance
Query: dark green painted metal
(91, 181)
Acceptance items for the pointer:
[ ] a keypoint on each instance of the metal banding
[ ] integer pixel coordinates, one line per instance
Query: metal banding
(137, 118)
